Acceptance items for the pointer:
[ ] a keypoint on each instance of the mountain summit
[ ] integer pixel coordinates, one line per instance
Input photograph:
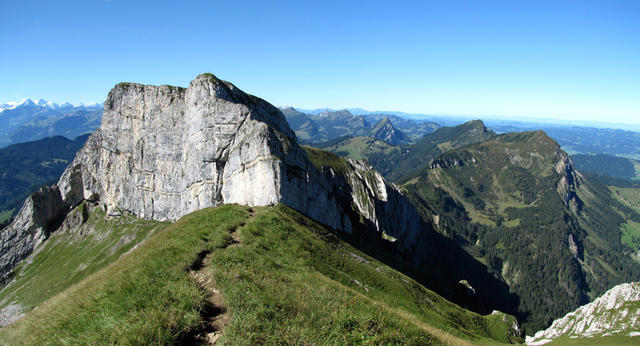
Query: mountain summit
(385, 131)
(162, 152)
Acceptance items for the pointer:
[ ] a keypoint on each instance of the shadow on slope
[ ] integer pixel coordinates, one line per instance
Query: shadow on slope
(429, 257)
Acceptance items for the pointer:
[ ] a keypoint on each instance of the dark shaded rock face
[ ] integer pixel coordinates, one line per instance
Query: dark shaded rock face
(38, 217)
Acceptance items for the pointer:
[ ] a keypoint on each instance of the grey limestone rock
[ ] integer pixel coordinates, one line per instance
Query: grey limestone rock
(163, 152)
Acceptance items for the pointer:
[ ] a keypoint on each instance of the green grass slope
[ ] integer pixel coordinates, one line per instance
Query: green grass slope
(629, 197)
(71, 254)
(378, 153)
(283, 278)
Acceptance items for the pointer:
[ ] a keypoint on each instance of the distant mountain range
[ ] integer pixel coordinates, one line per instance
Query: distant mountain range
(30, 120)
(44, 103)
(400, 162)
(492, 121)
(329, 125)
(323, 125)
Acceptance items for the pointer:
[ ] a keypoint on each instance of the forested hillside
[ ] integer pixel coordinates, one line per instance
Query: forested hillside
(516, 203)
(26, 167)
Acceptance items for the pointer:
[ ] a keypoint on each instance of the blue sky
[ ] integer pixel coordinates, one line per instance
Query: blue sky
(556, 59)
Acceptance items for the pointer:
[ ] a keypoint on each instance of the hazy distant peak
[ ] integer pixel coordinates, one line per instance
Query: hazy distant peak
(42, 104)
(384, 130)
(385, 121)
(475, 123)
(26, 102)
(342, 113)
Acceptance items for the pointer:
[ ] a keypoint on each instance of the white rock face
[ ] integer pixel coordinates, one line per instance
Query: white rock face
(382, 204)
(570, 182)
(163, 152)
(617, 311)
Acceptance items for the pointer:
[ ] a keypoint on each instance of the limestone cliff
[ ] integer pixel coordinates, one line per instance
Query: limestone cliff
(570, 182)
(617, 312)
(163, 152)
(360, 188)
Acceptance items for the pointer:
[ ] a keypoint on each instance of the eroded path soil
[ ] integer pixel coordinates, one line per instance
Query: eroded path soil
(215, 315)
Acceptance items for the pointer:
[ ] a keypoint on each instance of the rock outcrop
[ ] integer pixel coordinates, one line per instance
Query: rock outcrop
(361, 188)
(163, 152)
(617, 312)
(39, 215)
(570, 182)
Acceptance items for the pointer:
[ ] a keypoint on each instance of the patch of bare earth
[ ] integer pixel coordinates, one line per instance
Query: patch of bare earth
(215, 316)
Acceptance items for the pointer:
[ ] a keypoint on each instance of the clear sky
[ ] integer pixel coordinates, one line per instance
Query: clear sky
(559, 59)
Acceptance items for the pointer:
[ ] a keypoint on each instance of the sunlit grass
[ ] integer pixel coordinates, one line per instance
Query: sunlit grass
(284, 279)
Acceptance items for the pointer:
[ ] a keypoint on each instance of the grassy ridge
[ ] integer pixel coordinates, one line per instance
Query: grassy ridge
(288, 280)
(362, 148)
(145, 297)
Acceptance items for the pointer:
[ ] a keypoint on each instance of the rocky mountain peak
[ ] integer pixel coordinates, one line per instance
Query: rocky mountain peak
(207, 86)
(384, 130)
(162, 152)
(290, 110)
(383, 125)
(343, 113)
(477, 123)
(477, 126)
(386, 122)
(570, 179)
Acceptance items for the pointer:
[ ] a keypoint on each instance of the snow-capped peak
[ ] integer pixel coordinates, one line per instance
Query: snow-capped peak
(42, 103)
(26, 102)
(45, 103)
